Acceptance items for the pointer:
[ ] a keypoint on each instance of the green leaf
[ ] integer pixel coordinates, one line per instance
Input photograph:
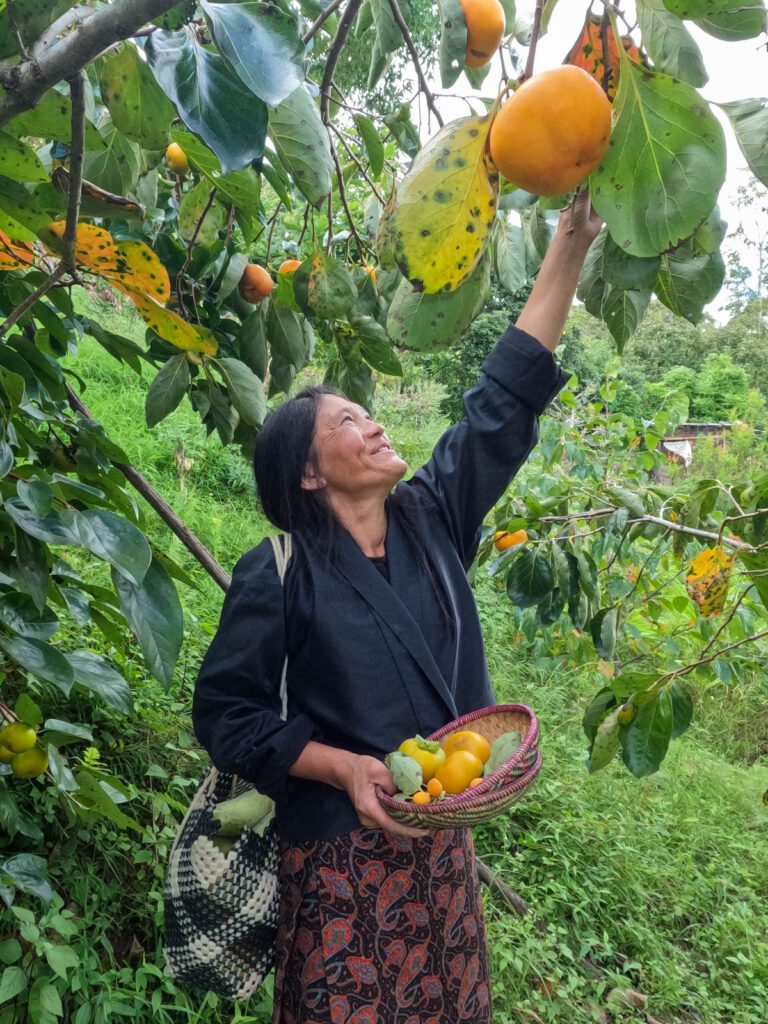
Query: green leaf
(20, 613)
(689, 280)
(431, 322)
(61, 733)
(509, 255)
(243, 188)
(31, 18)
(97, 676)
(623, 311)
(737, 19)
(10, 952)
(606, 743)
(374, 147)
(94, 793)
(37, 495)
(28, 710)
(438, 223)
(682, 709)
(331, 292)
(669, 44)
(529, 579)
(40, 659)
(191, 210)
(749, 119)
(252, 343)
(302, 144)
(624, 270)
(29, 873)
(51, 118)
(117, 164)
(19, 161)
(139, 107)
(112, 538)
(596, 711)
(210, 99)
(63, 778)
(375, 346)
(665, 162)
(167, 389)
(61, 959)
(44, 1004)
(645, 740)
(12, 983)
(388, 36)
(261, 45)
(286, 337)
(453, 41)
(604, 629)
(245, 390)
(154, 613)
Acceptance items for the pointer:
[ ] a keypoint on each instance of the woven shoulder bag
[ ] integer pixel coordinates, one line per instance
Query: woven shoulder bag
(221, 896)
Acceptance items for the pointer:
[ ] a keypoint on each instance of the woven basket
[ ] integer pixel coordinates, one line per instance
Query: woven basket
(495, 793)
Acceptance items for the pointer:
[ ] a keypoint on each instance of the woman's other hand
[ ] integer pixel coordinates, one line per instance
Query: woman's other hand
(363, 777)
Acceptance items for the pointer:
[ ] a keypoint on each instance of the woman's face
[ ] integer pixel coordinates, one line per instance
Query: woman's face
(355, 456)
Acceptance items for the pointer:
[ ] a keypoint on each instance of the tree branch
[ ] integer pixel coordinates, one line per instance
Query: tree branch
(361, 246)
(398, 16)
(510, 897)
(354, 159)
(190, 541)
(333, 55)
(535, 33)
(329, 10)
(53, 59)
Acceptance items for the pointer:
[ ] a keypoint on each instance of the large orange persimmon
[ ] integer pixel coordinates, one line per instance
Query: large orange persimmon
(255, 284)
(552, 132)
(485, 27)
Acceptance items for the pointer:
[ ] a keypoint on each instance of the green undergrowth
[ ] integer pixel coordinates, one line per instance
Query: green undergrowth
(657, 885)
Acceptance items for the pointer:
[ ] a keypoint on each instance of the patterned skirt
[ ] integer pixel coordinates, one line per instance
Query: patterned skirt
(381, 929)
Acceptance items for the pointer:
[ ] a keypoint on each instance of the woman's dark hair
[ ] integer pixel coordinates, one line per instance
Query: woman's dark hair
(284, 448)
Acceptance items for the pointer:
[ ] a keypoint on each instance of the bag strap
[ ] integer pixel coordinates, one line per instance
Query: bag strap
(282, 545)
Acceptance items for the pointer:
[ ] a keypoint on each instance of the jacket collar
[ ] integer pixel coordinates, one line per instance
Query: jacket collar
(385, 601)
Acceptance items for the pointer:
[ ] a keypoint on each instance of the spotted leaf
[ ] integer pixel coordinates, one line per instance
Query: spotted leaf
(170, 326)
(140, 271)
(437, 224)
(597, 52)
(95, 248)
(14, 254)
(707, 580)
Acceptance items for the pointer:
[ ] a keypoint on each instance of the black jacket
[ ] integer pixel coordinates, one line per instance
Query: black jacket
(371, 662)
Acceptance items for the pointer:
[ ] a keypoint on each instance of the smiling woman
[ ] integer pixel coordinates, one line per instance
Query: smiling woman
(383, 641)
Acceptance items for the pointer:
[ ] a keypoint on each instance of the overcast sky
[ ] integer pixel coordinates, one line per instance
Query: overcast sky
(736, 70)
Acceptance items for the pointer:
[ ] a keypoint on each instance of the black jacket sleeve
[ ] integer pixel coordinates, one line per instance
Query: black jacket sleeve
(236, 702)
(474, 461)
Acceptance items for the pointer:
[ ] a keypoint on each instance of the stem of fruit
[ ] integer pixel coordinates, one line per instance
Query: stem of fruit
(535, 33)
(272, 231)
(397, 14)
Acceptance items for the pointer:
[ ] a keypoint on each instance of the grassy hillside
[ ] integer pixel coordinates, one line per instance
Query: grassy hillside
(658, 886)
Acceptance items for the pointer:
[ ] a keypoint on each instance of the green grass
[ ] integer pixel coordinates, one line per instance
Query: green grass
(660, 885)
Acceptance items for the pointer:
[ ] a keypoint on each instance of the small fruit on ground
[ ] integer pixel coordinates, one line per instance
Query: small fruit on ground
(421, 797)
(467, 739)
(459, 770)
(428, 754)
(29, 763)
(503, 540)
(552, 132)
(176, 159)
(288, 266)
(485, 27)
(434, 787)
(255, 284)
(18, 737)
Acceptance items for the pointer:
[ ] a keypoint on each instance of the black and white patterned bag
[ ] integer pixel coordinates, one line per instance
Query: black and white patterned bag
(221, 908)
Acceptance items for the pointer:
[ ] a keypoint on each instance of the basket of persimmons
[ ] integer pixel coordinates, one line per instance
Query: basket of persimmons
(468, 772)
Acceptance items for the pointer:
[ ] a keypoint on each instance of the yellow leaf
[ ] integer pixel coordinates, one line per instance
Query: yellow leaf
(707, 580)
(605, 668)
(15, 254)
(437, 224)
(94, 247)
(139, 271)
(170, 326)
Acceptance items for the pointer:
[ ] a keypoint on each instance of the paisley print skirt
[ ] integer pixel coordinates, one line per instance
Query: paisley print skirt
(381, 929)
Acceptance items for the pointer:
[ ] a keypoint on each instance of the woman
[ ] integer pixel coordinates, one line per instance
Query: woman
(379, 922)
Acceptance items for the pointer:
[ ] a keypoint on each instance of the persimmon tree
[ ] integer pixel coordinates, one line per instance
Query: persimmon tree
(163, 149)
